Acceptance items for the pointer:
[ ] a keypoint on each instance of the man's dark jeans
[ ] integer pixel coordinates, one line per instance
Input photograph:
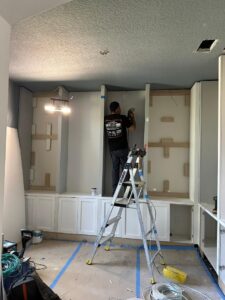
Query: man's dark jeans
(119, 158)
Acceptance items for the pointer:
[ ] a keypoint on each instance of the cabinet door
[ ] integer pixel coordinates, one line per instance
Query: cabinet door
(105, 206)
(162, 214)
(44, 213)
(131, 227)
(222, 259)
(87, 216)
(30, 212)
(67, 217)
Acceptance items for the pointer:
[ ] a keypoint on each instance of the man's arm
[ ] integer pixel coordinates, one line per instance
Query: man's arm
(132, 120)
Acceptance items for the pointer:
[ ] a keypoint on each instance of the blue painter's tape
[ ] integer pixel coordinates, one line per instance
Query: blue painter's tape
(140, 173)
(65, 267)
(169, 247)
(222, 296)
(103, 97)
(138, 274)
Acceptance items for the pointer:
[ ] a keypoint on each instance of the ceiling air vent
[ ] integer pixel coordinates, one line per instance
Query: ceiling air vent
(206, 45)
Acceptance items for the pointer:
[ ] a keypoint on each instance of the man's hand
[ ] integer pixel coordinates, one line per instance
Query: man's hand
(131, 116)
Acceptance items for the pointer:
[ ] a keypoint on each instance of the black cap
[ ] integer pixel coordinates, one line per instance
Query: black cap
(113, 106)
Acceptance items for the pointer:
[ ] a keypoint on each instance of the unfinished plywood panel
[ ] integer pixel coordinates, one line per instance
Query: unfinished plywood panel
(169, 144)
(45, 163)
(44, 145)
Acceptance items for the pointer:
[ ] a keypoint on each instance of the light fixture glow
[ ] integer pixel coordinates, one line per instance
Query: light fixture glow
(56, 106)
(50, 108)
(66, 110)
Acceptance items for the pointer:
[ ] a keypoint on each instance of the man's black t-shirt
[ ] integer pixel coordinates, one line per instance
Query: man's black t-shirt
(116, 131)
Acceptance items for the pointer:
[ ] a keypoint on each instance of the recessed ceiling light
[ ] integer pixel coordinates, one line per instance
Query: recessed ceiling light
(207, 45)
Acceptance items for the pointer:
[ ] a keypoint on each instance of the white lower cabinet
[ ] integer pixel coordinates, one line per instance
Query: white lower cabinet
(87, 216)
(130, 224)
(41, 212)
(67, 215)
(162, 216)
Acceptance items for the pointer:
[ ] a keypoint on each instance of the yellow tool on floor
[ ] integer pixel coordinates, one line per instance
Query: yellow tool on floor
(174, 274)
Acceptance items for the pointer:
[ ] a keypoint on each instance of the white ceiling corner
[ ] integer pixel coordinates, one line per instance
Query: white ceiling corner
(15, 10)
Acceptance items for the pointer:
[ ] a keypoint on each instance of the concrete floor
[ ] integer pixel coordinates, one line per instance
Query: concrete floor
(118, 274)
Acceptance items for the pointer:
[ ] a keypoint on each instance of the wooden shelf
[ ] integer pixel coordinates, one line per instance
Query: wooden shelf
(168, 194)
(42, 188)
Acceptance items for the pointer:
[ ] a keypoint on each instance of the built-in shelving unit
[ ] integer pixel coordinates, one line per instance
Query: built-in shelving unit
(179, 129)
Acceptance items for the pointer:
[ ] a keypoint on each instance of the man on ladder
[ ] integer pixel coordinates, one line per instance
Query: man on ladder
(133, 166)
(116, 131)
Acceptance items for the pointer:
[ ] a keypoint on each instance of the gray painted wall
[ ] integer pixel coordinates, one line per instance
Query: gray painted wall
(25, 121)
(13, 105)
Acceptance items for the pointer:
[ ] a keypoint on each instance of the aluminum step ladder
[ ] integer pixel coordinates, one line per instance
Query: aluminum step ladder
(131, 199)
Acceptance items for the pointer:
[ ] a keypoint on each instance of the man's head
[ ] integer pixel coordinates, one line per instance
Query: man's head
(115, 107)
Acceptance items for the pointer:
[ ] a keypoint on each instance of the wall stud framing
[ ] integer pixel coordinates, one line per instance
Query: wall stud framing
(167, 119)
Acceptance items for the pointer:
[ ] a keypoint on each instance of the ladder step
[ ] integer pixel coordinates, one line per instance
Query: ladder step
(113, 220)
(106, 238)
(137, 183)
(124, 202)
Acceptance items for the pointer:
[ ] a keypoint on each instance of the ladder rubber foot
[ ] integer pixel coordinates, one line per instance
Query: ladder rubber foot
(152, 280)
(107, 248)
(89, 262)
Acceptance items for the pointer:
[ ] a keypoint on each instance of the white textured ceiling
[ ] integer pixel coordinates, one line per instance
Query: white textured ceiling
(14, 10)
(150, 41)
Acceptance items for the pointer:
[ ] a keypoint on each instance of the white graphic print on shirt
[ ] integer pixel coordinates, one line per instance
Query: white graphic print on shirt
(114, 128)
